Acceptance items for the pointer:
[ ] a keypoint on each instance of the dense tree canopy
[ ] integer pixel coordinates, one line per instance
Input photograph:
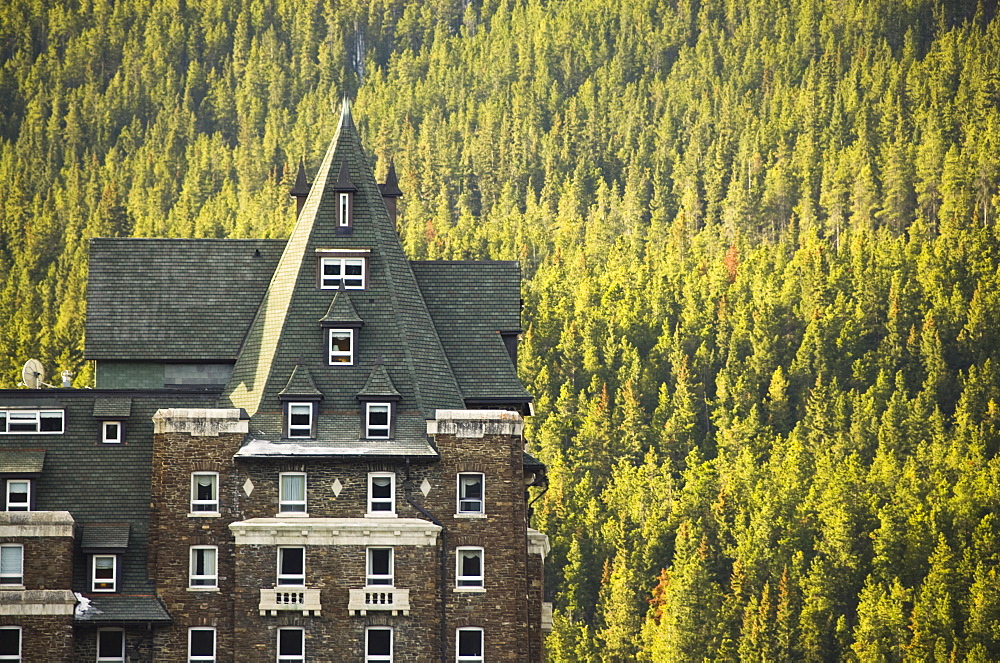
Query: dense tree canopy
(760, 243)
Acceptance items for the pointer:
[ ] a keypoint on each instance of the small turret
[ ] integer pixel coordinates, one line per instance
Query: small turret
(390, 191)
(300, 191)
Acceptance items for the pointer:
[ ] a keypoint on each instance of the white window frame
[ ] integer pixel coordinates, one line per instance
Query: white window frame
(113, 580)
(470, 658)
(117, 658)
(9, 579)
(375, 432)
(289, 658)
(18, 506)
(380, 658)
(391, 500)
(208, 507)
(290, 579)
(301, 431)
(208, 580)
(459, 510)
(335, 281)
(109, 439)
(470, 583)
(201, 658)
(34, 418)
(373, 579)
(334, 355)
(344, 206)
(20, 644)
(288, 507)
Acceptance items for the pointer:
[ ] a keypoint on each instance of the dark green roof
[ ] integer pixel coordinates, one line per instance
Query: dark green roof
(300, 384)
(177, 299)
(21, 461)
(113, 408)
(341, 311)
(379, 384)
(131, 609)
(104, 536)
(471, 303)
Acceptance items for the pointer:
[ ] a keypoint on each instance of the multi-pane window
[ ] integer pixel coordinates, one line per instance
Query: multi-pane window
(291, 645)
(292, 566)
(469, 568)
(12, 564)
(204, 492)
(300, 419)
(377, 420)
(111, 432)
(378, 645)
(201, 645)
(381, 494)
(10, 643)
(104, 573)
(470, 493)
(204, 571)
(31, 421)
(292, 492)
(341, 347)
(18, 494)
(469, 647)
(349, 271)
(379, 566)
(111, 645)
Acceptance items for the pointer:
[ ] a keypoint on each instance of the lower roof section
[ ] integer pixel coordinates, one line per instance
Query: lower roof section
(127, 609)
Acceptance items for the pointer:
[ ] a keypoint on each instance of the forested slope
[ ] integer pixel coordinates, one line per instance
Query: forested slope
(760, 245)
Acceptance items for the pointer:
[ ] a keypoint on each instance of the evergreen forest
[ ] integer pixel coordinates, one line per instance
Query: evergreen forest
(761, 255)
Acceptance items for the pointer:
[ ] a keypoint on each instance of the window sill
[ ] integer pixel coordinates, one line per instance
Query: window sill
(380, 514)
(11, 587)
(292, 514)
(204, 514)
(203, 589)
(470, 590)
(473, 516)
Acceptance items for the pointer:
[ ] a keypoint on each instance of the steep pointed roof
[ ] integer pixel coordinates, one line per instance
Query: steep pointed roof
(391, 187)
(301, 187)
(300, 383)
(341, 310)
(397, 322)
(379, 385)
(344, 182)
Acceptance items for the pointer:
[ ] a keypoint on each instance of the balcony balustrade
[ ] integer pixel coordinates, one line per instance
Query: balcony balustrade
(295, 599)
(379, 599)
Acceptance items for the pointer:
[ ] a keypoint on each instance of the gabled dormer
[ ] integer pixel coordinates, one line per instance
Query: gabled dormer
(378, 400)
(340, 326)
(344, 189)
(300, 404)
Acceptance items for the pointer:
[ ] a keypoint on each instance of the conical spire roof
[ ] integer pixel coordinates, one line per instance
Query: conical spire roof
(301, 186)
(391, 187)
(289, 321)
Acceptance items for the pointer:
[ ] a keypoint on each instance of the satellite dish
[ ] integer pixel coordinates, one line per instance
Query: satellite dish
(32, 374)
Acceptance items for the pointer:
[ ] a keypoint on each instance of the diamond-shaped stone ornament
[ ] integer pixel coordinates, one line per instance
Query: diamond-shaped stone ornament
(337, 487)
(425, 487)
(248, 487)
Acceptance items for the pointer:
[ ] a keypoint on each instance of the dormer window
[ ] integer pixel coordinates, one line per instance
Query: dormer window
(341, 347)
(377, 420)
(111, 432)
(347, 271)
(300, 420)
(18, 495)
(345, 200)
(344, 215)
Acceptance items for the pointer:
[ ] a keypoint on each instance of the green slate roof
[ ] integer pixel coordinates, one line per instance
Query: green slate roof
(132, 609)
(397, 324)
(21, 461)
(379, 384)
(183, 299)
(300, 384)
(112, 408)
(342, 311)
(104, 536)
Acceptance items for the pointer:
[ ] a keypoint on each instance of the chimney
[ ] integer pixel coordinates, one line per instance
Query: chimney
(390, 191)
(301, 189)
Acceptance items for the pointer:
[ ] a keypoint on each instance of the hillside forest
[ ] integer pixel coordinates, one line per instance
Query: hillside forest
(761, 260)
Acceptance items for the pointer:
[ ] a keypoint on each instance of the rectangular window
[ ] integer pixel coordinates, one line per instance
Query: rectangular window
(469, 570)
(342, 347)
(204, 574)
(104, 572)
(12, 564)
(379, 566)
(292, 492)
(378, 645)
(110, 645)
(300, 420)
(377, 420)
(381, 494)
(201, 645)
(19, 495)
(31, 421)
(291, 644)
(10, 643)
(204, 492)
(345, 210)
(469, 643)
(349, 271)
(111, 432)
(292, 566)
(470, 493)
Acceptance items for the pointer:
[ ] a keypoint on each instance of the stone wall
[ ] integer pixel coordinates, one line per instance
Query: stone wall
(44, 638)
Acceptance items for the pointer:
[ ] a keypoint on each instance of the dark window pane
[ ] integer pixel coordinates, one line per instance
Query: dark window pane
(10, 641)
(470, 643)
(110, 643)
(380, 561)
(381, 487)
(202, 642)
(52, 421)
(292, 561)
(471, 565)
(379, 642)
(290, 642)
